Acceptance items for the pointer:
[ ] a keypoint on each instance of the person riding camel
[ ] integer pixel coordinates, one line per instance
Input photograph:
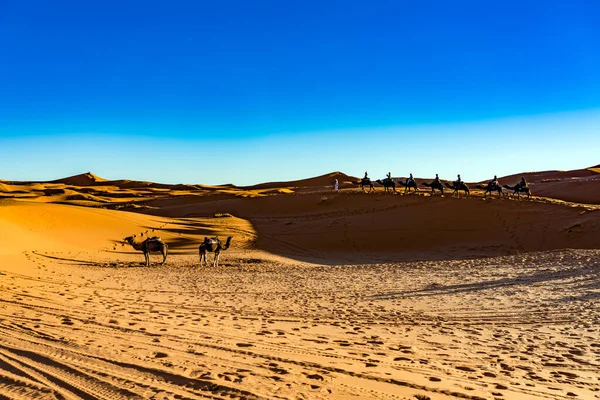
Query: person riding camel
(494, 182)
(366, 178)
(389, 176)
(409, 179)
(522, 183)
(437, 179)
(458, 182)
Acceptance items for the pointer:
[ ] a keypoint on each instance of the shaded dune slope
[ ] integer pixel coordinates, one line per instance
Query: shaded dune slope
(579, 186)
(358, 228)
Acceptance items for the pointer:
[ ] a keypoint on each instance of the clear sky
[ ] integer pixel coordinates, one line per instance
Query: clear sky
(253, 91)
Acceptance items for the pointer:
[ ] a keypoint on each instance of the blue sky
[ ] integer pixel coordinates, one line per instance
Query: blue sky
(248, 92)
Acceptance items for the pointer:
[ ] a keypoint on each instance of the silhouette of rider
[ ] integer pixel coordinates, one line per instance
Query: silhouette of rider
(366, 176)
(458, 181)
(437, 179)
(494, 182)
(389, 176)
(522, 183)
(409, 179)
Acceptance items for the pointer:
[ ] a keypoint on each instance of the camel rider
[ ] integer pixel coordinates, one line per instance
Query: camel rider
(389, 176)
(494, 182)
(437, 179)
(522, 183)
(409, 179)
(458, 181)
(366, 178)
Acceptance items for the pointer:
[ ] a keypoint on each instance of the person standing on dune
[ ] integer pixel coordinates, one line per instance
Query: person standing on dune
(336, 185)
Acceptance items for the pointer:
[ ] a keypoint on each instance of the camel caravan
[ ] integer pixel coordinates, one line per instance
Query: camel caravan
(214, 245)
(156, 245)
(457, 186)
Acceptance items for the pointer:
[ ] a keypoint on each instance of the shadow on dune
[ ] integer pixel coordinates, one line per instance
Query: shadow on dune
(67, 260)
(527, 280)
(351, 228)
(89, 263)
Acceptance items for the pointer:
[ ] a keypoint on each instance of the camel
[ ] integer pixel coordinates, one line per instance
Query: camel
(213, 245)
(365, 182)
(387, 184)
(489, 188)
(411, 184)
(150, 245)
(434, 185)
(518, 189)
(458, 188)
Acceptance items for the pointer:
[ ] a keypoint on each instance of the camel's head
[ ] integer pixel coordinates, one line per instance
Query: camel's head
(128, 239)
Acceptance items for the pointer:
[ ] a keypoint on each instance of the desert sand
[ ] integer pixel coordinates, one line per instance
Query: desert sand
(322, 295)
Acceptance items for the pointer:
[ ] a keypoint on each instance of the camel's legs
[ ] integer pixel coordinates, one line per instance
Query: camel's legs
(164, 253)
(147, 256)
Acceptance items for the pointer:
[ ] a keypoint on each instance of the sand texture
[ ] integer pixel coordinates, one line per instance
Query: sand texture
(321, 295)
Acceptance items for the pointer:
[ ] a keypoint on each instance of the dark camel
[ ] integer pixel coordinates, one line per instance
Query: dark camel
(458, 188)
(489, 188)
(365, 182)
(411, 185)
(518, 189)
(387, 184)
(434, 185)
(213, 245)
(150, 245)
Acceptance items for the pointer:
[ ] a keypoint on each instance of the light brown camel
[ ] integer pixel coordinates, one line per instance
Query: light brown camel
(150, 245)
(213, 245)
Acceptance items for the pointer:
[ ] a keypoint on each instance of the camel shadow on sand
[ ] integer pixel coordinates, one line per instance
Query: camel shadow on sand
(90, 263)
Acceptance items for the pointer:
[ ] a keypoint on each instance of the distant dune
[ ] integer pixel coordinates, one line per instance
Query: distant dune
(87, 179)
(321, 181)
(579, 186)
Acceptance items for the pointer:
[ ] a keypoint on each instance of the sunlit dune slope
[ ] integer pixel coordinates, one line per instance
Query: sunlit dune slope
(36, 226)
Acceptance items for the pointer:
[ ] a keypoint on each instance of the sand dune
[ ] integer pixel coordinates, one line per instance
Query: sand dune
(321, 181)
(579, 186)
(322, 295)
